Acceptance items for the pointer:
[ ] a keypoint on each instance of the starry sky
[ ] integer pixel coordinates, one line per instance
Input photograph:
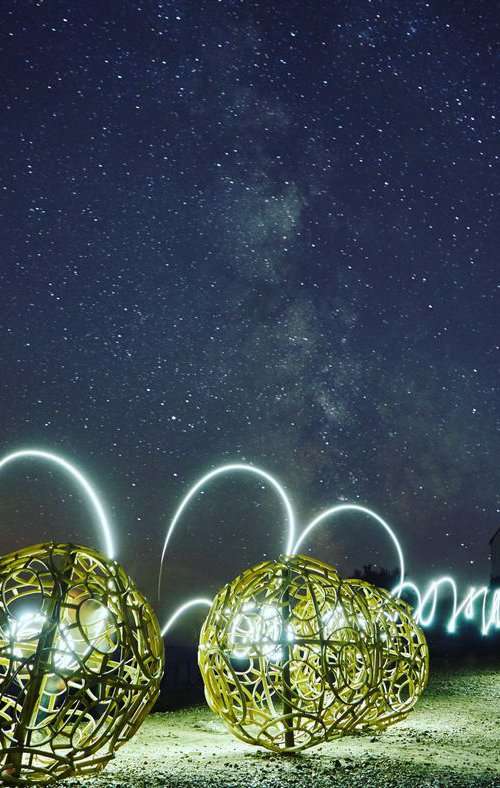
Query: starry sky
(252, 231)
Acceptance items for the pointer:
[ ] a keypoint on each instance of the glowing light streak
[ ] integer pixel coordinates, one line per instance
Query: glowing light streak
(28, 627)
(352, 507)
(223, 469)
(426, 607)
(182, 609)
(79, 477)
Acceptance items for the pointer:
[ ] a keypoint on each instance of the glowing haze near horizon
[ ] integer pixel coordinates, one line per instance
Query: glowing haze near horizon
(249, 232)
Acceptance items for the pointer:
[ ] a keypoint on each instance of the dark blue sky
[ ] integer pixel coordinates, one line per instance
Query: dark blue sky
(253, 230)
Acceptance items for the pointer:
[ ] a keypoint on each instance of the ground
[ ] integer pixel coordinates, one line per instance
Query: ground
(452, 738)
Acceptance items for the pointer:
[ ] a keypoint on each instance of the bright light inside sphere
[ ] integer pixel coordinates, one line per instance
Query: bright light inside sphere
(70, 647)
(81, 658)
(24, 630)
(292, 655)
(64, 656)
(257, 630)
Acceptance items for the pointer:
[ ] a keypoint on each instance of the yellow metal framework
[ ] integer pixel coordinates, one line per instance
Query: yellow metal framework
(291, 655)
(81, 658)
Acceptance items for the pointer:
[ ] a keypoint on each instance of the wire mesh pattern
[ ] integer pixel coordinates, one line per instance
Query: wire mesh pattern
(81, 658)
(291, 655)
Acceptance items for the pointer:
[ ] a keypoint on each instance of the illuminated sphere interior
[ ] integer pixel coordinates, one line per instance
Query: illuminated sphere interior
(291, 655)
(81, 658)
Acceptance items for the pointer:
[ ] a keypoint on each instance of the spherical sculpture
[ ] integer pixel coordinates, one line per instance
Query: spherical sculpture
(81, 658)
(291, 655)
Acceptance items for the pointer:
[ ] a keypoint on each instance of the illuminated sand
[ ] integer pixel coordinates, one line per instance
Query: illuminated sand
(451, 739)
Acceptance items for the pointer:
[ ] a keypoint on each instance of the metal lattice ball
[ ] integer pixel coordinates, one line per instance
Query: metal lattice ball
(291, 655)
(81, 658)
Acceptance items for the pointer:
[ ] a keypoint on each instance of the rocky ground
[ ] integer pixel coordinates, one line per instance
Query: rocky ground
(451, 739)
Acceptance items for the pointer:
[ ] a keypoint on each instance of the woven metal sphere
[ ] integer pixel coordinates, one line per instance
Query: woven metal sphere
(81, 658)
(291, 655)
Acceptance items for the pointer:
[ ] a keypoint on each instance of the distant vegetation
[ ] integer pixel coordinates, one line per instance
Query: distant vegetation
(378, 576)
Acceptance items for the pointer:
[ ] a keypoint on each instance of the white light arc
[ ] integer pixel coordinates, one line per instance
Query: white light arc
(426, 603)
(79, 477)
(432, 594)
(352, 507)
(223, 469)
(182, 609)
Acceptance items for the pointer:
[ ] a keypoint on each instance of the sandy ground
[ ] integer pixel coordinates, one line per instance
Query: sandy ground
(452, 738)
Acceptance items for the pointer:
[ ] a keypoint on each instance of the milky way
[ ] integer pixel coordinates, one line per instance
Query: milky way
(262, 232)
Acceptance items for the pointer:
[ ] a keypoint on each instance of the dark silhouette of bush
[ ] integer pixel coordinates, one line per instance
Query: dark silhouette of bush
(378, 576)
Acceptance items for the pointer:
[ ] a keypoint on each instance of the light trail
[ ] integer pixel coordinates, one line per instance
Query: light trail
(182, 609)
(427, 603)
(85, 485)
(426, 607)
(353, 507)
(223, 469)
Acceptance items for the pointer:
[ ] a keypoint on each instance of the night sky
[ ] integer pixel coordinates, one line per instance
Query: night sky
(252, 231)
